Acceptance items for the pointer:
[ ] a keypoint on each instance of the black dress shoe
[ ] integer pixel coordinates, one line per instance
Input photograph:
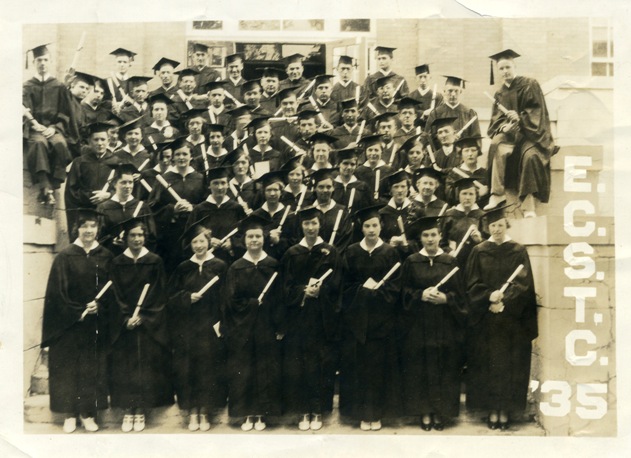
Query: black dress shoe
(439, 426)
(491, 424)
(504, 426)
(426, 426)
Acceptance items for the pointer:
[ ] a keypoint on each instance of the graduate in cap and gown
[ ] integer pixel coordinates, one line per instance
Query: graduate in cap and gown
(223, 215)
(121, 207)
(394, 215)
(263, 156)
(503, 324)
(216, 110)
(195, 320)
(345, 88)
(253, 320)
(47, 118)
(469, 151)
(170, 213)
(234, 80)
(75, 327)
(165, 70)
(371, 287)
(270, 84)
(452, 107)
(384, 56)
(351, 129)
(88, 182)
(294, 68)
(137, 106)
(459, 218)
(241, 186)
(425, 182)
(424, 94)
(205, 74)
(336, 223)
(163, 121)
(133, 152)
(374, 168)
(346, 183)
(140, 376)
(311, 323)
(296, 190)
(526, 126)
(432, 328)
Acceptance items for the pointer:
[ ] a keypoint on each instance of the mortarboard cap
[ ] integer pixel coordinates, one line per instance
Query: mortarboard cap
(197, 228)
(321, 137)
(464, 183)
(382, 81)
(308, 213)
(426, 172)
(272, 72)
(420, 69)
(187, 72)
(179, 143)
(231, 58)
(85, 77)
(293, 163)
(286, 93)
(385, 50)
(506, 54)
(123, 52)
(345, 60)
(322, 174)
(39, 51)
(212, 85)
(160, 97)
(138, 80)
(126, 168)
(253, 221)
(233, 156)
(277, 176)
(414, 229)
(370, 140)
(258, 122)
(218, 173)
(294, 58)
(406, 102)
(454, 81)
(194, 113)
(322, 79)
(237, 112)
(367, 213)
(394, 178)
(307, 114)
(384, 117)
(199, 47)
(346, 153)
(468, 142)
(128, 224)
(250, 85)
(348, 104)
(411, 142)
(114, 121)
(131, 125)
(97, 127)
(86, 214)
(216, 128)
(445, 121)
(164, 61)
(496, 213)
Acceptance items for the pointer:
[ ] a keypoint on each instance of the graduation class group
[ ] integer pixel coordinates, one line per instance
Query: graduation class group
(272, 244)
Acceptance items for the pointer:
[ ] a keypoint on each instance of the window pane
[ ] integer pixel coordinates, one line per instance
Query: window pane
(259, 25)
(355, 25)
(305, 25)
(611, 49)
(599, 69)
(207, 25)
(599, 49)
(610, 69)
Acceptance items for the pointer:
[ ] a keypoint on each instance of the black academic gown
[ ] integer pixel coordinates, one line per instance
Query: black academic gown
(369, 381)
(528, 168)
(431, 337)
(141, 358)
(500, 344)
(454, 226)
(115, 213)
(463, 115)
(77, 348)
(254, 353)
(390, 215)
(199, 354)
(311, 328)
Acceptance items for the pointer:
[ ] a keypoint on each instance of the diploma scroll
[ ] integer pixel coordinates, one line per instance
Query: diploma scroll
(351, 199)
(316, 282)
(208, 285)
(362, 126)
(387, 276)
(307, 89)
(284, 218)
(459, 172)
(98, 296)
(508, 282)
(464, 240)
(141, 299)
(230, 234)
(502, 108)
(402, 229)
(446, 278)
(109, 179)
(267, 287)
(471, 121)
(338, 219)
(168, 187)
(292, 145)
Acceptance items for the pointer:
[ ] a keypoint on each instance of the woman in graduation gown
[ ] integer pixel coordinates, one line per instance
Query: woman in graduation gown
(121, 207)
(75, 326)
(194, 326)
(503, 324)
(312, 323)
(369, 373)
(394, 214)
(459, 219)
(432, 329)
(140, 359)
(296, 194)
(253, 330)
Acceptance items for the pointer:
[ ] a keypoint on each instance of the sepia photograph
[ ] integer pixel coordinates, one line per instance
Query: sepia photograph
(392, 230)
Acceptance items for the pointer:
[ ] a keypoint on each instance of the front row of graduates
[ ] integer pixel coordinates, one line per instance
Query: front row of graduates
(268, 335)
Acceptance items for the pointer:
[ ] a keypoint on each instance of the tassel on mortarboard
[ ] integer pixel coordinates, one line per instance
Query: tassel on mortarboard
(492, 81)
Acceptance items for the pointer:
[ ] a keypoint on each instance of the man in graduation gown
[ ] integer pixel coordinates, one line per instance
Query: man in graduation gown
(351, 129)
(321, 101)
(47, 120)
(138, 106)
(98, 105)
(205, 74)
(234, 67)
(452, 107)
(345, 88)
(427, 98)
(88, 182)
(165, 69)
(294, 68)
(119, 81)
(383, 101)
(216, 110)
(384, 56)
(526, 125)
(270, 83)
